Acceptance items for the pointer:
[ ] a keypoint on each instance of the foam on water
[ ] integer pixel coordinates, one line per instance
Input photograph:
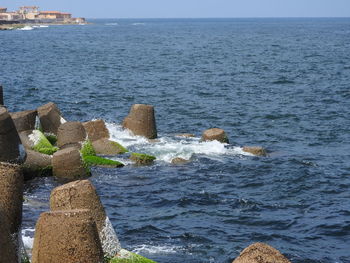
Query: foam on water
(154, 249)
(167, 148)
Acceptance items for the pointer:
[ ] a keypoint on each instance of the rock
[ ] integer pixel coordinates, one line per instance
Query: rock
(179, 160)
(125, 256)
(215, 134)
(108, 147)
(68, 236)
(67, 164)
(96, 130)
(260, 253)
(142, 159)
(7, 248)
(50, 117)
(1, 96)
(70, 133)
(141, 121)
(256, 150)
(82, 195)
(24, 120)
(100, 162)
(36, 165)
(9, 139)
(186, 135)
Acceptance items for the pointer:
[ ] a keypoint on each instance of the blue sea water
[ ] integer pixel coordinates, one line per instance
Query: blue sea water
(283, 84)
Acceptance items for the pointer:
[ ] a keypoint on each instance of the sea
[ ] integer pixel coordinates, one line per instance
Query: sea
(279, 83)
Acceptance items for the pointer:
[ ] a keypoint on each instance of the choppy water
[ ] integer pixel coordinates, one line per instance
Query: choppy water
(280, 83)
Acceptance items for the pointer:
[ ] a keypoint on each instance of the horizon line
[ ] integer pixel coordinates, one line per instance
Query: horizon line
(242, 17)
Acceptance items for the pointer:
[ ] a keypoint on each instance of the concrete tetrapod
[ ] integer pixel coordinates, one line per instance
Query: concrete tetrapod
(71, 134)
(215, 134)
(67, 164)
(82, 195)
(96, 130)
(11, 198)
(8, 251)
(9, 139)
(24, 120)
(260, 253)
(141, 121)
(50, 117)
(66, 236)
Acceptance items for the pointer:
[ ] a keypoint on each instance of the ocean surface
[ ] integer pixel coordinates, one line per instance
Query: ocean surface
(283, 84)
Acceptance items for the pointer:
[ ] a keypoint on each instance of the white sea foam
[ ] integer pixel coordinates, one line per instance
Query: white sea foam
(109, 240)
(150, 249)
(167, 148)
(26, 28)
(35, 136)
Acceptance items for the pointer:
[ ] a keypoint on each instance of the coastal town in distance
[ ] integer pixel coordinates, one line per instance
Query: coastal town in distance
(27, 15)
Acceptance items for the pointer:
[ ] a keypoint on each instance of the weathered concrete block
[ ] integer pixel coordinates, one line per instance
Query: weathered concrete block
(141, 121)
(9, 139)
(82, 195)
(215, 134)
(260, 253)
(11, 195)
(24, 120)
(107, 147)
(70, 133)
(66, 236)
(142, 159)
(256, 150)
(96, 130)
(1, 95)
(50, 117)
(8, 252)
(67, 164)
(36, 165)
(24, 137)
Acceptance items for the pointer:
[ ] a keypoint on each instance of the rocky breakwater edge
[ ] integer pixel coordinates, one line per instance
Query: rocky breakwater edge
(40, 142)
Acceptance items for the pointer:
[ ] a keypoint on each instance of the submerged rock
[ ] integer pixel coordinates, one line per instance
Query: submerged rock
(107, 147)
(24, 120)
(82, 195)
(142, 159)
(256, 150)
(186, 135)
(179, 160)
(96, 130)
(141, 121)
(50, 118)
(260, 253)
(71, 133)
(215, 134)
(68, 236)
(9, 139)
(68, 164)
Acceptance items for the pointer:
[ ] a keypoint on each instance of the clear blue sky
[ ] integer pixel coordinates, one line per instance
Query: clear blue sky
(191, 8)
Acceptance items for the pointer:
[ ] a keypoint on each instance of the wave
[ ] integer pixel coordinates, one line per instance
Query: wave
(166, 148)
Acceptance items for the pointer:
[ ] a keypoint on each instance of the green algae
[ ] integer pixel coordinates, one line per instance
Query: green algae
(100, 161)
(129, 257)
(87, 149)
(121, 147)
(51, 138)
(142, 159)
(43, 145)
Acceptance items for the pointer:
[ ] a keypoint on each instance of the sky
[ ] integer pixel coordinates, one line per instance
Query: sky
(190, 8)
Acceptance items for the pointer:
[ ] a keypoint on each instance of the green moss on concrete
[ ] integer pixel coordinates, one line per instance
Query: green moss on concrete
(51, 138)
(87, 149)
(100, 161)
(142, 159)
(129, 257)
(122, 148)
(43, 145)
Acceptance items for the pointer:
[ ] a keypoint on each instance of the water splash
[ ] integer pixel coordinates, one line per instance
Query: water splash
(109, 240)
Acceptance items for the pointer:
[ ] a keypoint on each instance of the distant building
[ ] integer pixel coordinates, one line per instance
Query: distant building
(31, 14)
